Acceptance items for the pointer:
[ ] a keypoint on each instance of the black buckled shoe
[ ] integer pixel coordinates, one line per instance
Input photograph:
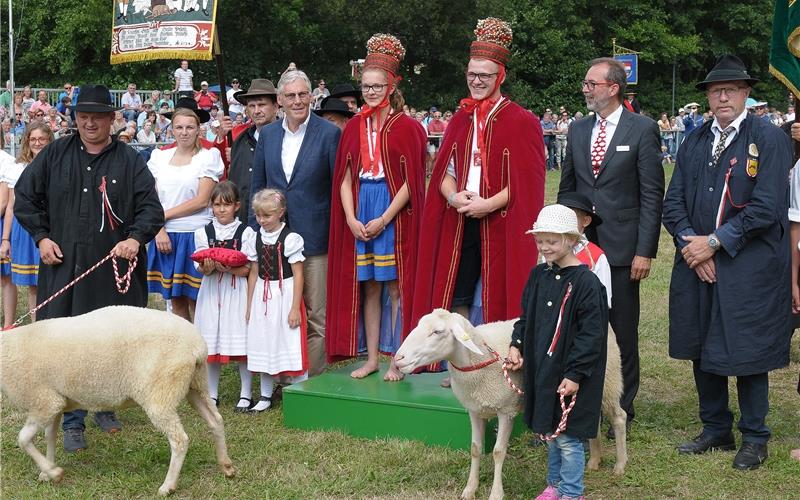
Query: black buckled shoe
(74, 440)
(704, 443)
(750, 456)
(243, 409)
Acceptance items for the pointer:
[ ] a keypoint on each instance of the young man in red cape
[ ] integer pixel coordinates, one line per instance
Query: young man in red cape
(395, 152)
(486, 190)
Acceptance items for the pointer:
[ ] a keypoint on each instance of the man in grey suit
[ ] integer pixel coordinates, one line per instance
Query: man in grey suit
(296, 155)
(613, 158)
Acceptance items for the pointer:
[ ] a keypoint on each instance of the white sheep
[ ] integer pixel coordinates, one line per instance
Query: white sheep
(110, 358)
(485, 393)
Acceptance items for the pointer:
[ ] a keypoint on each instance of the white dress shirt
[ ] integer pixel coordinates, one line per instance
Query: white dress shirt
(715, 128)
(611, 126)
(290, 147)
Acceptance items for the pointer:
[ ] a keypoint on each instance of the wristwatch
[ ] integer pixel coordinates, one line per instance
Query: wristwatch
(713, 242)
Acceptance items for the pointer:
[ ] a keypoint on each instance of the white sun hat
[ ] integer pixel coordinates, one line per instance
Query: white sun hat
(556, 219)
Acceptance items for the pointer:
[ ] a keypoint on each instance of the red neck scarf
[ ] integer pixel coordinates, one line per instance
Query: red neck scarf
(370, 162)
(482, 107)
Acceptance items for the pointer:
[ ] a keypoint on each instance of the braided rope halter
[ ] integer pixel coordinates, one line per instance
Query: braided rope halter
(123, 283)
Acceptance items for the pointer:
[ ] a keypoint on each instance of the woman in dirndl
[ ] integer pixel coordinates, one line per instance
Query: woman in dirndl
(379, 177)
(185, 176)
(17, 244)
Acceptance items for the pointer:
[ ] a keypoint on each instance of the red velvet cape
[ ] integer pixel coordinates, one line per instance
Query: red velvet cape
(515, 159)
(403, 152)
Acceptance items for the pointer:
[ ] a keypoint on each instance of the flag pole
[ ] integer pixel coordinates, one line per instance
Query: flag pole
(223, 91)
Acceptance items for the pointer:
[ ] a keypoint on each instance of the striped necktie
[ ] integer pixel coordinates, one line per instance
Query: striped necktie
(720, 147)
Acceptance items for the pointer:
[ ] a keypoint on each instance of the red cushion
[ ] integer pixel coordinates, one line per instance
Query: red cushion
(225, 256)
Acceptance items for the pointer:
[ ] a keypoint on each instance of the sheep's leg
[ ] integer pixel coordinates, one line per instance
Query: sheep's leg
(595, 451)
(505, 423)
(478, 427)
(619, 422)
(208, 411)
(50, 434)
(49, 470)
(167, 421)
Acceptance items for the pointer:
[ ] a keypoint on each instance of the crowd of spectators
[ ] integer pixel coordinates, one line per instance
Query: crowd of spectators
(144, 121)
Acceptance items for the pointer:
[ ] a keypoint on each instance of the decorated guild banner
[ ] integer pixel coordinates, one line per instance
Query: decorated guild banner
(631, 64)
(162, 29)
(785, 48)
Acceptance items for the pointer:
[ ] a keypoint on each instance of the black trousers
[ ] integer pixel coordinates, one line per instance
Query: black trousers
(624, 317)
(753, 390)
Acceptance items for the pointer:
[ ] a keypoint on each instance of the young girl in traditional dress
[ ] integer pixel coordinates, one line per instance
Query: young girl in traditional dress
(16, 242)
(378, 194)
(9, 291)
(222, 299)
(276, 337)
(561, 336)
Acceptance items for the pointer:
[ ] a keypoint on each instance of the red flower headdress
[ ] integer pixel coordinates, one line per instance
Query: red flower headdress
(493, 39)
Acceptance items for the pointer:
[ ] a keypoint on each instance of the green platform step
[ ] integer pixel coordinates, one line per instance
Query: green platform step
(416, 408)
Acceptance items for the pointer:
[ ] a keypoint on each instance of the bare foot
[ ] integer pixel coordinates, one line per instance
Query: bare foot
(393, 374)
(795, 454)
(367, 368)
(445, 382)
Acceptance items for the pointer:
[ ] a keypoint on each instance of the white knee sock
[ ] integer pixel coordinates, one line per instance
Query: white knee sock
(246, 377)
(213, 379)
(267, 383)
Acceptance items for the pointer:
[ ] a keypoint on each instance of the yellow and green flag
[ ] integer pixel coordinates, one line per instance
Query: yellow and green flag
(785, 49)
(162, 29)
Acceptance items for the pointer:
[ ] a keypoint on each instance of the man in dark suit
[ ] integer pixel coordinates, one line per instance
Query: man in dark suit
(613, 158)
(297, 155)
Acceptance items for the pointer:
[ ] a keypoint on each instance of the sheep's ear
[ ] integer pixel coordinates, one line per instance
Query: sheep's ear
(462, 336)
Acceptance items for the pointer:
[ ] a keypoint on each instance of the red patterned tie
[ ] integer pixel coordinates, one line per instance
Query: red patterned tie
(599, 148)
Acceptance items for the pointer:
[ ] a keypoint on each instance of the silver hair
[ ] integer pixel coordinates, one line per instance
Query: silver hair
(293, 76)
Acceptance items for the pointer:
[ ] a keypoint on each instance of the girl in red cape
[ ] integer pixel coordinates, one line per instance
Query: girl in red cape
(486, 189)
(378, 193)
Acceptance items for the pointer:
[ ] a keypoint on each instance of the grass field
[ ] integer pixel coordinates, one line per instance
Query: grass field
(276, 463)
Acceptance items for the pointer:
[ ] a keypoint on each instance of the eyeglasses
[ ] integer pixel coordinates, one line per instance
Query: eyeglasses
(39, 114)
(482, 77)
(591, 85)
(299, 95)
(377, 88)
(717, 93)
(38, 139)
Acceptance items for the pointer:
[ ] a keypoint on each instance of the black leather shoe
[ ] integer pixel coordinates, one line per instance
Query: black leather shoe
(750, 456)
(704, 443)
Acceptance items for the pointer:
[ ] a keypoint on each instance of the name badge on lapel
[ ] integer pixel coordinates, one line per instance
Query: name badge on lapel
(623, 148)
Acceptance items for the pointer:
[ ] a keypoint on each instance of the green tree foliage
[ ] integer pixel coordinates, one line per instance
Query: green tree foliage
(61, 40)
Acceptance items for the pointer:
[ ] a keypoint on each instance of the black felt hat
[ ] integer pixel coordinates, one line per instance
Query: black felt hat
(573, 199)
(95, 99)
(334, 105)
(346, 90)
(728, 68)
(190, 104)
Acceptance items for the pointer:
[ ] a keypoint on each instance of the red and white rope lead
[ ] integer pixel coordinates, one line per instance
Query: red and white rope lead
(123, 283)
(562, 424)
(565, 410)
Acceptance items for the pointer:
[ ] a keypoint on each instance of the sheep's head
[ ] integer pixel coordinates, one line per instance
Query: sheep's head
(436, 337)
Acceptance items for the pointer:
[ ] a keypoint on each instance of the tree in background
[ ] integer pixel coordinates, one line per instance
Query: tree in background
(553, 41)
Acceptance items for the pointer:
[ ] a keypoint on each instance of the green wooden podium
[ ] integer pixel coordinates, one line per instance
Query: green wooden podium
(416, 408)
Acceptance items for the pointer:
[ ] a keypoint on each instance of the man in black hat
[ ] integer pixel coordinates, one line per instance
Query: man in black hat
(335, 111)
(261, 107)
(82, 197)
(730, 294)
(348, 95)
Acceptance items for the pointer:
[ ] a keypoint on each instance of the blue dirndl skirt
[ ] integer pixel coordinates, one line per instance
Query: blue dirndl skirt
(5, 264)
(375, 258)
(24, 257)
(173, 274)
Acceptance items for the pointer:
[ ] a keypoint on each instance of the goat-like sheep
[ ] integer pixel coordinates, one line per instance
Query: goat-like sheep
(110, 358)
(442, 335)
